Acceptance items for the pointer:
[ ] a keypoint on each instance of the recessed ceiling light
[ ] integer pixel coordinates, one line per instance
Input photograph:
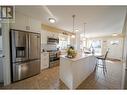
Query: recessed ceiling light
(114, 34)
(52, 20)
(76, 30)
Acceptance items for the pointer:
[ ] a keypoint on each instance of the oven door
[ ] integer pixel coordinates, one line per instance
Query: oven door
(54, 63)
(54, 60)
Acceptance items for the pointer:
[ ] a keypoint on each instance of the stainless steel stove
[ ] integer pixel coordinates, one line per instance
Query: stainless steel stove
(54, 58)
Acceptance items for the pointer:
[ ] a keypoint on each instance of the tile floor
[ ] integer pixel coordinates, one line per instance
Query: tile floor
(49, 79)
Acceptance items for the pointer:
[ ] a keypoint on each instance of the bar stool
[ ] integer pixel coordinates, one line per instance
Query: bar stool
(103, 63)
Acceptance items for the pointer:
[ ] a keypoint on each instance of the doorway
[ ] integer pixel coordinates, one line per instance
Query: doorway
(1, 57)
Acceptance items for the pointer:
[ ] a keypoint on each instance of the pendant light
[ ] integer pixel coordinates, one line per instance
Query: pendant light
(84, 38)
(73, 16)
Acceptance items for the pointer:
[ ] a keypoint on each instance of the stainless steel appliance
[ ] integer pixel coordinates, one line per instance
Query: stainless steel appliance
(54, 58)
(52, 40)
(25, 54)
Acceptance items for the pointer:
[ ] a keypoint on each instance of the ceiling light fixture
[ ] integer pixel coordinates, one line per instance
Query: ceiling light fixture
(52, 20)
(114, 34)
(73, 16)
(76, 30)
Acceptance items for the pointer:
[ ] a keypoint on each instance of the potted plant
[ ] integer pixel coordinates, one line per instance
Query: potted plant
(71, 53)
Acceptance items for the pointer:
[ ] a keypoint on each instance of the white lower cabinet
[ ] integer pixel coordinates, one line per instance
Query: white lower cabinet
(44, 60)
(92, 63)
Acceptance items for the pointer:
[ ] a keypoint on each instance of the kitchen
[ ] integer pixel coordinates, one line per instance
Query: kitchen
(54, 42)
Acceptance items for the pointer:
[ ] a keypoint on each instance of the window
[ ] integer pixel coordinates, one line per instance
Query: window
(96, 45)
(64, 41)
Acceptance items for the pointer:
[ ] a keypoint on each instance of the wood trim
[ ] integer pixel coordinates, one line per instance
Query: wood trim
(56, 30)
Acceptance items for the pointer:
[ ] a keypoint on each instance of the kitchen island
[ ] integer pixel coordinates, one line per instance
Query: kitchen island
(74, 71)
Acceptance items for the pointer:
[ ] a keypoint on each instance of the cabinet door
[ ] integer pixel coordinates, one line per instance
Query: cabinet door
(44, 61)
(44, 36)
(80, 70)
(92, 63)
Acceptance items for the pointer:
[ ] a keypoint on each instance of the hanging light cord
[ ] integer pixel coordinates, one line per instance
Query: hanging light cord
(84, 29)
(73, 21)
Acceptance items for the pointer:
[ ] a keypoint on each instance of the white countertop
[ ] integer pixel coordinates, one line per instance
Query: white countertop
(78, 56)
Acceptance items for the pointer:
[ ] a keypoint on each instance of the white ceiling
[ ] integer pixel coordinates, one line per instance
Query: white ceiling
(101, 20)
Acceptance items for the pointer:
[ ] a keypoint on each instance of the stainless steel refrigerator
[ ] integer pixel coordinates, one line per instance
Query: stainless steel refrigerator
(25, 54)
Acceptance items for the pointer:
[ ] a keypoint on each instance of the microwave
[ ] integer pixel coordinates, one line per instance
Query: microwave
(52, 40)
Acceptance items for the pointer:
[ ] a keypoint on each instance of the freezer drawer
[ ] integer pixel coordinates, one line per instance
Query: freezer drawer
(25, 70)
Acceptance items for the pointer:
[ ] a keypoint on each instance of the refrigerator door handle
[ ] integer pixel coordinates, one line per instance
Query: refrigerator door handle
(27, 46)
(29, 49)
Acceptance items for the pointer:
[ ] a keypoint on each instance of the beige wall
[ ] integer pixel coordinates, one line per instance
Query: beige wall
(105, 43)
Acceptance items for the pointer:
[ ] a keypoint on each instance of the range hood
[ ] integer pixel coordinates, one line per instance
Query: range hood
(52, 40)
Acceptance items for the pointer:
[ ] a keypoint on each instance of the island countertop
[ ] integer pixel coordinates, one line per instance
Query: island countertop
(78, 56)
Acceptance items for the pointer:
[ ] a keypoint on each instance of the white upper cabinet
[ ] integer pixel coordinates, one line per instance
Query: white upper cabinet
(23, 22)
(20, 22)
(45, 34)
